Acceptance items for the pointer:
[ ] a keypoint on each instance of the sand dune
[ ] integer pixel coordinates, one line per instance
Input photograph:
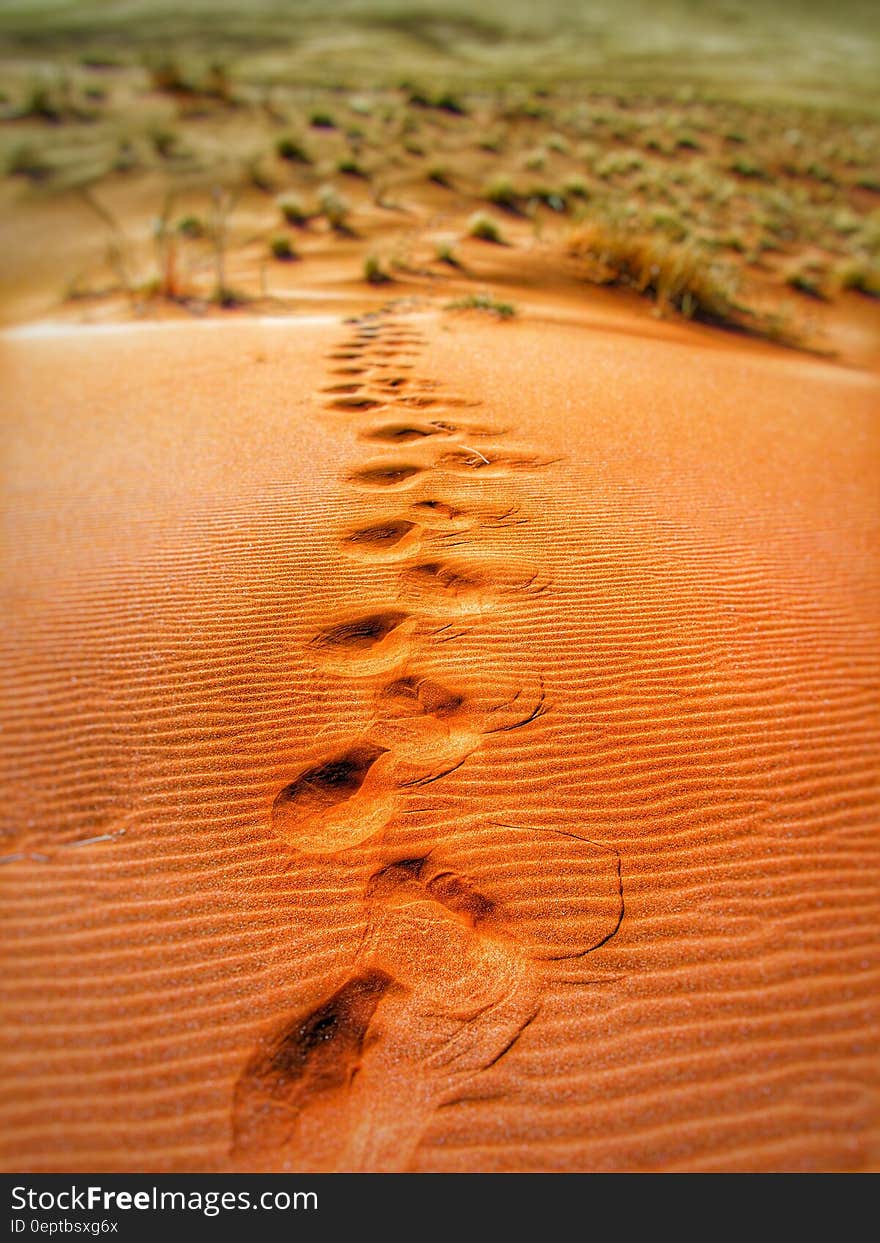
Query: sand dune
(438, 744)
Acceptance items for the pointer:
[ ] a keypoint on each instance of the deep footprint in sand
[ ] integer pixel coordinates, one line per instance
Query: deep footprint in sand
(439, 995)
(365, 643)
(355, 401)
(554, 890)
(386, 475)
(382, 541)
(469, 585)
(448, 517)
(406, 432)
(339, 802)
(465, 995)
(428, 722)
(293, 1095)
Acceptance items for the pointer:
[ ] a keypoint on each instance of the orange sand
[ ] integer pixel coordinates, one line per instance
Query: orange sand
(478, 724)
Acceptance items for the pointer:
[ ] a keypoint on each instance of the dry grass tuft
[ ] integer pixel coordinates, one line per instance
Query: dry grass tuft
(677, 276)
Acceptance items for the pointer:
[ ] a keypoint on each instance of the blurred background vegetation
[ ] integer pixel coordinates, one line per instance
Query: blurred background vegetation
(709, 139)
(807, 50)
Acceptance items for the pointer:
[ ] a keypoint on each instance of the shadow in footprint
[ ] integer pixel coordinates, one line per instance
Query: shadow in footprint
(293, 1094)
(354, 402)
(403, 433)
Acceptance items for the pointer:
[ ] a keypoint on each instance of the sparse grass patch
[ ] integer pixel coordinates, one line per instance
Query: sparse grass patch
(374, 272)
(485, 229)
(25, 161)
(677, 277)
(350, 167)
(440, 176)
(483, 302)
(861, 275)
(335, 209)
(808, 278)
(282, 249)
(445, 254)
(191, 227)
(502, 193)
(294, 213)
(291, 149)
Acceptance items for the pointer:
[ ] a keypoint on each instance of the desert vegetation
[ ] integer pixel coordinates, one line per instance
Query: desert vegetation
(736, 199)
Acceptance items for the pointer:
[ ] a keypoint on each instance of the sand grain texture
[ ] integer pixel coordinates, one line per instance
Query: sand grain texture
(471, 765)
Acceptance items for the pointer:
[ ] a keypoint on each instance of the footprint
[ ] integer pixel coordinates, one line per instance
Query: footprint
(293, 1095)
(426, 722)
(386, 474)
(366, 643)
(403, 433)
(383, 541)
(463, 996)
(396, 382)
(450, 517)
(469, 585)
(354, 401)
(558, 893)
(338, 803)
(437, 997)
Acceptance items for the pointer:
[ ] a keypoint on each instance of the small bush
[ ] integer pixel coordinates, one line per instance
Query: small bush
(502, 193)
(168, 77)
(677, 277)
(374, 273)
(445, 101)
(744, 167)
(439, 176)
(554, 199)
(292, 150)
(335, 209)
(445, 254)
(350, 167)
(164, 143)
(40, 105)
(190, 226)
(294, 213)
(486, 229)
(258, 177)
(25, 161)
(861, 275)
(576, 188)
(282, 249)
(322, 120)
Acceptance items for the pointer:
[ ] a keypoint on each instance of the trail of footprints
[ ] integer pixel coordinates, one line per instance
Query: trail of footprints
(449, 971)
